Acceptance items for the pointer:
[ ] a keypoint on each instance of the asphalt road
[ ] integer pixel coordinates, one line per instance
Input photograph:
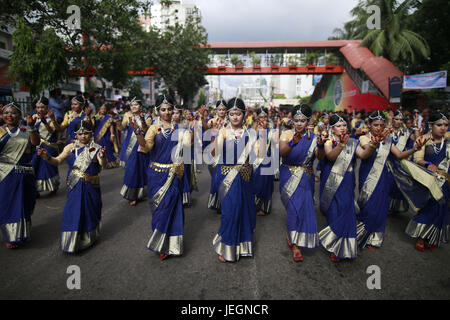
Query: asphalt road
(119, 266)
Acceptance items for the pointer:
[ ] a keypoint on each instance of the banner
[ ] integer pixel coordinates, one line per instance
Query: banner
(426, 80)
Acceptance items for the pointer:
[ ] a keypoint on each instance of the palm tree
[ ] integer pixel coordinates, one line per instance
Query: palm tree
(393, 40)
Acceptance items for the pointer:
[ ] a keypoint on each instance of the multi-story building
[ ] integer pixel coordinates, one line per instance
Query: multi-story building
(178, 11)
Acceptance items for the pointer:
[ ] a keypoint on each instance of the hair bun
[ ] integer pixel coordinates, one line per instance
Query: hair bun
(236, 103)
(303, 109)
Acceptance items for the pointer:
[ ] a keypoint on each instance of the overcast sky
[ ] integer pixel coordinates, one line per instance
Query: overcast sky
(272, 20)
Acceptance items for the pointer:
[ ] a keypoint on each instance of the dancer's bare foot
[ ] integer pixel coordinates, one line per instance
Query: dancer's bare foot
(334, 258)
(297, 255)
(371, 248)
(222, 259)
(420, 245)
(289, 242)
(260, 213)
(133, 203)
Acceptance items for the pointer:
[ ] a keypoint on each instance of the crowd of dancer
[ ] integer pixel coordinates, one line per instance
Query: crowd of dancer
(404, 161)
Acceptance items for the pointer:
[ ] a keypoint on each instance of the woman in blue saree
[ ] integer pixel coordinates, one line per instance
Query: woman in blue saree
(213, 127)
(47, 176)
(104, 135)
(135, 179)
(82, 212)
(376, 183)
(165, 179)
(299, 148)
(17, 180)
(337, 185)
(403, 139)
(187, 187)
(430, 227)
(78, 113)
(232, 177)
(263, 172)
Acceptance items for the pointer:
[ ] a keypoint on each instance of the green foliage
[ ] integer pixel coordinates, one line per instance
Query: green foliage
(179, 56)
(201, 99)
(430, 20)
(222, 60)
(236, 61)
(255, 59)
(394, 41)
(279, 96)
(110, 40)
(311, 58)
(39, 60)
(276, 61)
(136, 90)
(302, 100)
(332, 59)
(109, 29)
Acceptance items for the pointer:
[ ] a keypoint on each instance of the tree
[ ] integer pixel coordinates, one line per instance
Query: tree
(45, 65)
(201, 99)
(394, 40)
(344, 33)
(430, 20)
(136, 90)
(179, 56)
(109, 30)
(302, 100)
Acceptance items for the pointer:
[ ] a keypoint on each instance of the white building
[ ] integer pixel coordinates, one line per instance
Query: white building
(293, 85)
(163, 15)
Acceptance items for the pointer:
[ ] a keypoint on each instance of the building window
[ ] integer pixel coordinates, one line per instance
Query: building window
(2, 45)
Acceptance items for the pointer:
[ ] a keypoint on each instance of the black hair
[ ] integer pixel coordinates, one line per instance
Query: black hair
(236, 102)
(398, 113)
(436, 116)
(304, 109)
(219, 102)
(81, 100)
(86, 125)
(54, 92)
(42, 100)
(178, 107)
(262, 109)
(162, 98)
(139, 102)
(335, 119)
(287, 107)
